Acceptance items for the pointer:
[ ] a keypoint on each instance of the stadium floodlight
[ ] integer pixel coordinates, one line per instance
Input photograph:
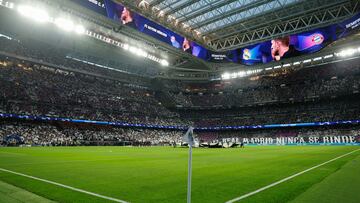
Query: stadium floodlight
(126, 46)
(307, 61)
(287, 65)
(164, 62)
(347, 52)
(317, 58)
(328, 56)
(24, 10)
(36, 14)
(79, 29)
(225, 76)
(234, 75)
(141, 52)
(241, 73)
(11, 5)
(41, 16)
(64, 24)
(138, 52)
(133, 49)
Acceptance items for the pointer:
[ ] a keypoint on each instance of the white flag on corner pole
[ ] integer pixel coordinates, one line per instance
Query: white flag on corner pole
(188, 137)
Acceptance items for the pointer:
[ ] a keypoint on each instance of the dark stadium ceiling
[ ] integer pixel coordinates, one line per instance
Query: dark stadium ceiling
(222, 25)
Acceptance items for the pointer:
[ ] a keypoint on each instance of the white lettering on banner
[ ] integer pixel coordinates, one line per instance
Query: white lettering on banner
(155, 30)
(345, 139)
(337, 139)
(218, 56)
(280, 140)
(326, 139)
(292, 140)
(352, 139)
(302, 141)
(353, 24)
(262, 140)
(316, 139)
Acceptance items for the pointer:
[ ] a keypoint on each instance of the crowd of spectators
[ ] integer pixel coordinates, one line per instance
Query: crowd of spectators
(327, 81)
(39, 90)
(71, 89)
(346, 108)
(45, 134)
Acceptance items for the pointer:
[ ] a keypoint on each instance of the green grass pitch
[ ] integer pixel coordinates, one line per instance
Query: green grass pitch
(159, 174)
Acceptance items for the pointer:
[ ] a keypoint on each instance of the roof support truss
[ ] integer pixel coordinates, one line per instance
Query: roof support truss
(225, 29)
(295, 25)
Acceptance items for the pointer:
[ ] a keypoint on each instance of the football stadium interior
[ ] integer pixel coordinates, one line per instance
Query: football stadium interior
(201, 101)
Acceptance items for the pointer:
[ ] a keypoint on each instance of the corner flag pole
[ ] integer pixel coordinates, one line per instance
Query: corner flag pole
(190, 140)
(189, 175)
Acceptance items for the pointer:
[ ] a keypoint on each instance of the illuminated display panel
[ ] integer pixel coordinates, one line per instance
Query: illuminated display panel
(273, 50)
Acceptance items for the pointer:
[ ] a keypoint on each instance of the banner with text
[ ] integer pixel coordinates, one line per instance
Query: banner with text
(311, 140)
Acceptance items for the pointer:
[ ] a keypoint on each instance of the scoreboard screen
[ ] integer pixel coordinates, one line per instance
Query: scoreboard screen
(264, 52)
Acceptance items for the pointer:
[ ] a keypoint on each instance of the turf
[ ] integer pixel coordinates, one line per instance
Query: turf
(12, 194)
(158, 174)
(341, 186)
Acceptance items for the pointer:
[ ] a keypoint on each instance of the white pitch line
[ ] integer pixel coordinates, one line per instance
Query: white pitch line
(288, 178)
(64, 186)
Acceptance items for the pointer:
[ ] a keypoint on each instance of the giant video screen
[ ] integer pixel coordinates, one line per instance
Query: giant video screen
(296, 45)
(285, 47)
(272, 50)
(125, 16)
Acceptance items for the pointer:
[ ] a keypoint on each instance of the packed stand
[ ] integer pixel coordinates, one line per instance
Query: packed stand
(345, 108)
(14, 133)
(45, 134)
(326, 81)
(33, 89)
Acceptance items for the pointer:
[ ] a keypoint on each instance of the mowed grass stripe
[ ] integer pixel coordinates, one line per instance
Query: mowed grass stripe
(341, 186)
(12, 194)
(288, 178)
(64, 186)
(158, 174)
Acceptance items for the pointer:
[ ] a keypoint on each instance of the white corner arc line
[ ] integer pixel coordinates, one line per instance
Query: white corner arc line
(65, 186)
(288, 178)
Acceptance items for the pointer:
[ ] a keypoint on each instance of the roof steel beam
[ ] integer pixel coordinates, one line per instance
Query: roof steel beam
(211, 6)
(251, 13)
(267, 19)
(230, 13)
(182, 6)
(299, 24)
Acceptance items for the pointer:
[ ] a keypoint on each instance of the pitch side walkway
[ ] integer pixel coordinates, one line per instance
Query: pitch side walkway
(12, 194)
(341, 186)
